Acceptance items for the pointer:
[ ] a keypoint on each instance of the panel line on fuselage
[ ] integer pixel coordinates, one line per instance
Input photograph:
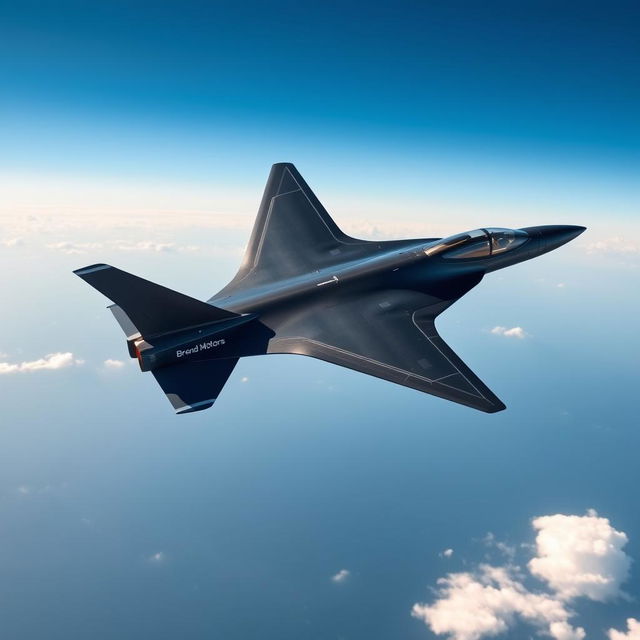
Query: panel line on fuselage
(355, 355)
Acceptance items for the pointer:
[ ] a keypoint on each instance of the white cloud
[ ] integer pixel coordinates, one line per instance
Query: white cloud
(615, 244)
(244, 379)
(564, 631)
(447, 553)
(504, 548)
(73, 248)
(514, 332)
(341, 576)
(157, 558)
(110, 363)
(27, 490)
(70, 247)
(633, 632)
(580, 556)
(486, 603)
(146, 245)
(51, 361)
(12, 242)
(575, 556)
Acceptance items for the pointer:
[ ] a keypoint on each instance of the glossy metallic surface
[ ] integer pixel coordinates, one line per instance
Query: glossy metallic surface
(305, 287)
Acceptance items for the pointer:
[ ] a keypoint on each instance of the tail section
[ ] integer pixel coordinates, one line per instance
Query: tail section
(151, 309)
(190, 346)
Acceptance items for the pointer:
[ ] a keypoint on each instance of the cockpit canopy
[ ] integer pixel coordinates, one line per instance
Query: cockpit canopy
(479, 243)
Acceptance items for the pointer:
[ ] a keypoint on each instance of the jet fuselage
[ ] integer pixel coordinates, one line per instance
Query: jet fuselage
(305, 287)
(396, 268)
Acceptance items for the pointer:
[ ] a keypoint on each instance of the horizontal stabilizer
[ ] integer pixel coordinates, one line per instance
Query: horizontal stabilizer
(150, 308)
(194, 386)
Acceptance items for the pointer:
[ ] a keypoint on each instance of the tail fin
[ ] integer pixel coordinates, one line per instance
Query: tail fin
(293, 233)
(150, 308)
(193, 386)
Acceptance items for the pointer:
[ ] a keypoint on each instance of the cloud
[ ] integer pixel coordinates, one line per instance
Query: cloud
(633, 632)
(504, 548)
(73, 248)
(51, 361)
(109, 363)
(447, 553)
(69, 247)
(382, 229)
(580, 556)
(341, 576)
(30, 490)
(575, 556)
(146, 245)
(12, 242)
(157, 558)
(514, 332)
(486, 603)
(615, 244)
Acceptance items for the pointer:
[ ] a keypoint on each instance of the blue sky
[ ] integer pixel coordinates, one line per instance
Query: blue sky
(535, 73)
(141, 136)
(394, 85)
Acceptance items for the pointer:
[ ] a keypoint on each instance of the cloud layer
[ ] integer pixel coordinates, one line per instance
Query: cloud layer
(489, 601)
(614, 244)
(50, 362)
(576, 556)
(75, 248)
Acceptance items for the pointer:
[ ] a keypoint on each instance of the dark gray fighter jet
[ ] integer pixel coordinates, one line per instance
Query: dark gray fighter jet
(305, 287)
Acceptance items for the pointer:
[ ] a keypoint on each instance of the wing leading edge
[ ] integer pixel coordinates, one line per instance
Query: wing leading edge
(390, 335)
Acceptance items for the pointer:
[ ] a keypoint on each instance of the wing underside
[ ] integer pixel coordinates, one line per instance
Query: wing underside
(390, 335)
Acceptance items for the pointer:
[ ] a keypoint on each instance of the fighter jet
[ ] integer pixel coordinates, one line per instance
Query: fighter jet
(306, 287)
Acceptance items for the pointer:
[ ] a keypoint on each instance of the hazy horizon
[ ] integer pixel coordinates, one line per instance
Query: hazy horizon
(312, 501)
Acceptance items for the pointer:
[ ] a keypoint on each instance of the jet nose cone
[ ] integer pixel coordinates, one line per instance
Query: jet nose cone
(554, 236)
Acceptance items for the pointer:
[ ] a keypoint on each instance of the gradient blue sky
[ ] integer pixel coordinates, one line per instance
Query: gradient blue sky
(141, 134)
(216, 91)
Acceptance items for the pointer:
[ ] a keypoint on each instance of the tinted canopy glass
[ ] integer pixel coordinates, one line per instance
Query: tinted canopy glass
(480, 243)
(472, 244)
(506, 239)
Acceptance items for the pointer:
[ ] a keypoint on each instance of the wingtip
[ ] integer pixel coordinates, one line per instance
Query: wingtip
(281, 166)
(91, 268)
(197, 406)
